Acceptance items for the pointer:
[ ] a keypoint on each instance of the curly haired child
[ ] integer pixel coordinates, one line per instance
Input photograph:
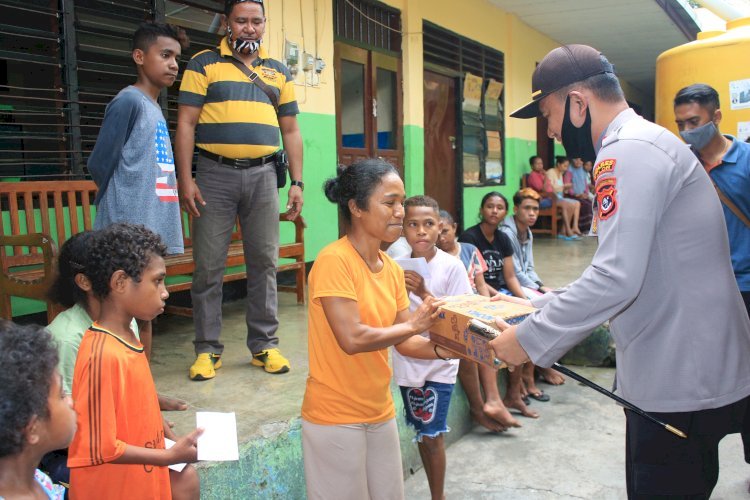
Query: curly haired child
(36, 414)
(118, 451)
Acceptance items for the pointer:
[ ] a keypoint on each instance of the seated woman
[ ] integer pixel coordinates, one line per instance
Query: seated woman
(538, 181)
(570, 208)
(487, 410)
(500, 276)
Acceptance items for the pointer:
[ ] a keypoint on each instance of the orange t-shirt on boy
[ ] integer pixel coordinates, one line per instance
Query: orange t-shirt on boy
(116, 405)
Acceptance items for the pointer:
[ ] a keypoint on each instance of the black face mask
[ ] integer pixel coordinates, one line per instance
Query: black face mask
(577, 141)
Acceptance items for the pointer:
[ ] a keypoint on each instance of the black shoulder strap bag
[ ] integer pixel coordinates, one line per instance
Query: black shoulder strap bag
(281, 158)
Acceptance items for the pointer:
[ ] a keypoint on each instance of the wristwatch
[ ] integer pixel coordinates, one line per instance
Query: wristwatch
(298, 183)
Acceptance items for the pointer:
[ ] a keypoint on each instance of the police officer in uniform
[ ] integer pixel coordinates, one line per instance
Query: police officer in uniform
(661, 275)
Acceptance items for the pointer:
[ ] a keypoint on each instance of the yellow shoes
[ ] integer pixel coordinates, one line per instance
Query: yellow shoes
(271, 360)
(205, 366)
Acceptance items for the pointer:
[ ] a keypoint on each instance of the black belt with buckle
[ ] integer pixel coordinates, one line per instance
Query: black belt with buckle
(238, 163)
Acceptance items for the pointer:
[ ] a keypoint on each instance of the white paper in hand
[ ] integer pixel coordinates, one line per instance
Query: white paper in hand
(168, 443)
(418, 265)
(218, 442)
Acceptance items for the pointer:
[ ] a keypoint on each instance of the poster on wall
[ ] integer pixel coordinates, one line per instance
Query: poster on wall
(743, 131)
(739, 94)
(472, 94)
(493, 167)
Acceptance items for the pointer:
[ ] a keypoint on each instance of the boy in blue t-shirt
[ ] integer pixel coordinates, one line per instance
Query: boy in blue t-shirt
(132, 162)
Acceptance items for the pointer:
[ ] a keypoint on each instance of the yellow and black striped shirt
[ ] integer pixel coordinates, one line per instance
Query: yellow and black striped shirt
(237, 119)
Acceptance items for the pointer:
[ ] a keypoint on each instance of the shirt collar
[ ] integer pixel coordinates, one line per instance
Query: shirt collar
(734, 150)
(227, 52)
(510, 221)
(624, 116)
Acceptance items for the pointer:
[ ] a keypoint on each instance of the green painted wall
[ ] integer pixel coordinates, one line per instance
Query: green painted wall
(413, 160)
(319, 140)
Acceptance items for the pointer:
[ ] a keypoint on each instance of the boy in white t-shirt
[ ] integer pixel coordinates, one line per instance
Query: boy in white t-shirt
(426, 385)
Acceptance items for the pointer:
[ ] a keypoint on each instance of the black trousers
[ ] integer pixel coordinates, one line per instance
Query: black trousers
(660, 465)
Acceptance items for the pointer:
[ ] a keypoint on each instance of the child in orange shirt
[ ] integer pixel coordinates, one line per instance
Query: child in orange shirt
(36, 414)
(118, 450)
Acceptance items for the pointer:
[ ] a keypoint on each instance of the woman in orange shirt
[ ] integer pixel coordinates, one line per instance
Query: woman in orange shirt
(359, 307)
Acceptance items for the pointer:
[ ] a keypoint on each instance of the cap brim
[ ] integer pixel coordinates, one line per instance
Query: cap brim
(531, 110)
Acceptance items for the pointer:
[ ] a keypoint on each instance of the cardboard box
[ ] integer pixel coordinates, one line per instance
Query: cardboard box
(451, 329)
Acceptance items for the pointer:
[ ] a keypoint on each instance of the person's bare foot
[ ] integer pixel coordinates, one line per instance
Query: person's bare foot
(485, 421)
(551, 376)
(529, 387)
(167, 403)
(518, 404)
(499, 413)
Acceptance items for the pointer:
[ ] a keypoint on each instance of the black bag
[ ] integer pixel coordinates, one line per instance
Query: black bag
(281, 161)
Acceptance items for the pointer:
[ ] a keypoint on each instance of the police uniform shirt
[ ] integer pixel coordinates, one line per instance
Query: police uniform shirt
(661, 275)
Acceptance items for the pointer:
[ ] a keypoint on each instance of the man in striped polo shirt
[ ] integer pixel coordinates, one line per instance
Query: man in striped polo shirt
(236, 125)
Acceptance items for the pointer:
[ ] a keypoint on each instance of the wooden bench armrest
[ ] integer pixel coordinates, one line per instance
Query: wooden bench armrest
(35, 288)
(41, 240)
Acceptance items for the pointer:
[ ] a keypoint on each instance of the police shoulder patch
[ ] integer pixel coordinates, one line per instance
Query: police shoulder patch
(603, 167)
(606, 198)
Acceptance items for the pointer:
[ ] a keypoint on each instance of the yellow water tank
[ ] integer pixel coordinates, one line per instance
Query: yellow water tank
(720, 59)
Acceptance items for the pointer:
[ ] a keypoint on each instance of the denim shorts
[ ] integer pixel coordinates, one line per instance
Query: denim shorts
(426, 408)
(545, 203)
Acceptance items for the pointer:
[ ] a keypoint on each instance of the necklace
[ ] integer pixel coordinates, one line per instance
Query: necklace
(363, 258)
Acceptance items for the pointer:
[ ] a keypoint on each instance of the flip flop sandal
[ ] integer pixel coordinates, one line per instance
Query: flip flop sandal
(540, 397)
(526, 400)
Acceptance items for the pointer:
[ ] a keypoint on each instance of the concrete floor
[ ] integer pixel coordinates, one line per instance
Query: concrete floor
(575, 450)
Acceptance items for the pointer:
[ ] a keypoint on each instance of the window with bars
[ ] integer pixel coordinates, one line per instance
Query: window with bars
(367, 24)
(482, 121)
(62, 62)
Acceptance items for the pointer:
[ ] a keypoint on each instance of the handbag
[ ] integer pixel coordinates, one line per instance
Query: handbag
(281, 161)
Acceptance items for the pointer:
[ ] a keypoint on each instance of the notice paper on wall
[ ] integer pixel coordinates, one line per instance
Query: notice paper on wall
(218, 442)
(739, 94)
(418, 265)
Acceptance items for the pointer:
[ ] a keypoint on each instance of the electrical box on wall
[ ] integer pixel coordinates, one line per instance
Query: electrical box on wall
(291, 53)
(319, 65)
(308, 62)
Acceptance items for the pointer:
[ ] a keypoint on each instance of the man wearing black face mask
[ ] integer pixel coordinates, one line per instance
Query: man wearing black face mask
(660, 276)
(233, 103)
(698, 115)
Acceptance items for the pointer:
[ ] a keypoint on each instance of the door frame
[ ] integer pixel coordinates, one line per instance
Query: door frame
(372, 60)
(459, 182)
(458, 185)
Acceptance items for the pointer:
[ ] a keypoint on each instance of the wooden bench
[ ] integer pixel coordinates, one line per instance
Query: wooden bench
(36, 217)
(551, 214)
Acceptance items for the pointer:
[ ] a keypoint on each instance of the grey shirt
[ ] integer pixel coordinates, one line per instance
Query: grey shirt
(133, 166)
(523, 254)
(661, 275)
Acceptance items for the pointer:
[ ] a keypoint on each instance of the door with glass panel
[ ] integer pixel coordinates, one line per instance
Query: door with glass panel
(369, 103)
